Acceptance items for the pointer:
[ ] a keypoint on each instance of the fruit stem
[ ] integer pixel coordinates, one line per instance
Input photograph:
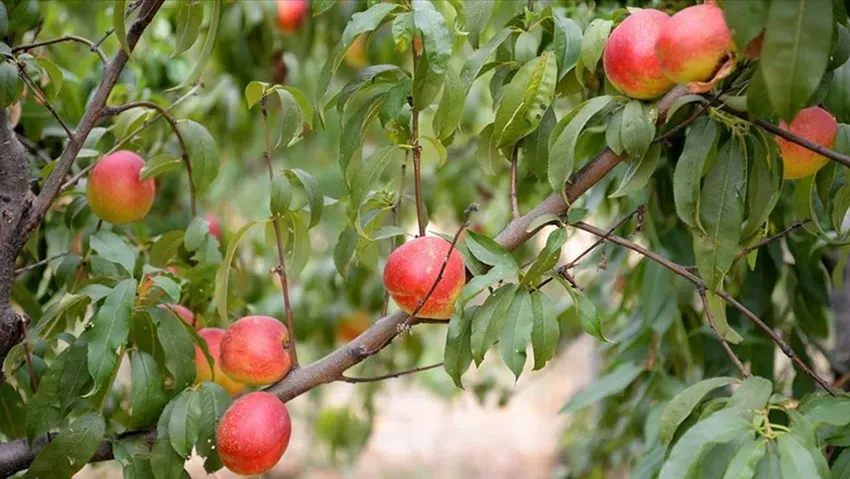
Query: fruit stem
(417, 157)
(281, 267)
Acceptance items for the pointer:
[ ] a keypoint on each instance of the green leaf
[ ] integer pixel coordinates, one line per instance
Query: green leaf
(366, 76)
(55, 74)
(457, 356)
(354, 133)
(535, 147)
(681, 102)
(489, 252)
(472, 68)
(165, 461)
(837, 100)
(148, 396)
(177, 346)
(62, 385)
(450, 109)
(426, 84)
(159, 164)
(547, 258)
(764, 184)
(281, 195)
(214, 401)
(593, 43)
(516, 332)
(795, 52)
(834, 411)
(700, 144)
(4, 20)
(608, 385)
(344, 249)
(588, 316)
(222, 276)
(721, 214)
(118, 9)
(297, 243)
(206, 52)
(315, 198)
(436, 37)
(562, 146)
(487, 155)
(683, 404)
(290, 120)
(794, 459)
(746, 458)
(639, 172)
(841, 466)
(526, 98)
(488, 319)
(717, 307)
(719, 428)
(198, 229)
(752, 394)
(321, 6)
(363, 179)
(403, 30)
(109, 330)
(546, 332)
(112, 248)
(14, 409)
(189, 19)
(477, 18)
(11, 85)
(304, 105)
(183, 424)
(637, 128)
(366, 21)
(566, 42)
(202, 151)
(441, 150)
(758, 100)
(613, 137)
(68, 452)
(745, 19)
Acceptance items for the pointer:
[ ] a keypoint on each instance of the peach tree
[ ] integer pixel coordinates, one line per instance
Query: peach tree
(203, 206)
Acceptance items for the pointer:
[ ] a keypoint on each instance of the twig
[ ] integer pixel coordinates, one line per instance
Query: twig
(40, 96)
(417, 158)
(396, 213)
(710, 317)
(697, 282)
(352, 380)
(163, 112)
(67, 38)
(39, 263)
(33, 148)
(765, 241)
(514, 199)
(281, 267)
(799, 140)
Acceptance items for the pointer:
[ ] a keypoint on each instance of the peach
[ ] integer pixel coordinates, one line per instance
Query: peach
(183, 313)
(290, 14)
(213, 337)
(629, 58)
(693, 43)
(215, 226)
(253, 433)
(351, 326)
(411, 271)
(816, 125)
(115, 193)
(253, 351)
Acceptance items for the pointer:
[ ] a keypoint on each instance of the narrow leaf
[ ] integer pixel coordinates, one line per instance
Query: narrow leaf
(458, 356)
(109, 330)
(546, 332)
(222, 276)
(681, 406)
(516, 332)
(700, 144)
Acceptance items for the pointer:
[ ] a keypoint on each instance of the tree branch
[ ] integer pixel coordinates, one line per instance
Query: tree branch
(710, 317)
(67, 38)
(514, 199)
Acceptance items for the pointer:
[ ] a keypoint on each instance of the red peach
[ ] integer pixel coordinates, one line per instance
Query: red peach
(253, 433)
(290, 14)
(351, 326)
(213, 337)
(114, 191)
(252, 351)
(816, 125)
(411, 271)
(692, 44)
(215, 226)
(629, 58)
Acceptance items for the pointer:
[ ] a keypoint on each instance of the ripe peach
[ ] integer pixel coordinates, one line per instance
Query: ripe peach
(252, 351)
(351, 326)
(213, 337)
(692, 44)
(290, 14)
(114, 191)
(816, 125)
(215, 226)
(629, 58)
(411, 271)
(253, 433)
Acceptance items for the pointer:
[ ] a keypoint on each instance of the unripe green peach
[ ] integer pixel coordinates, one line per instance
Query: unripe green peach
(253, 351)
(630, 62)
(411, 271)
(253, 433)
(692, 44)
(115, 193)
(816, 125)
